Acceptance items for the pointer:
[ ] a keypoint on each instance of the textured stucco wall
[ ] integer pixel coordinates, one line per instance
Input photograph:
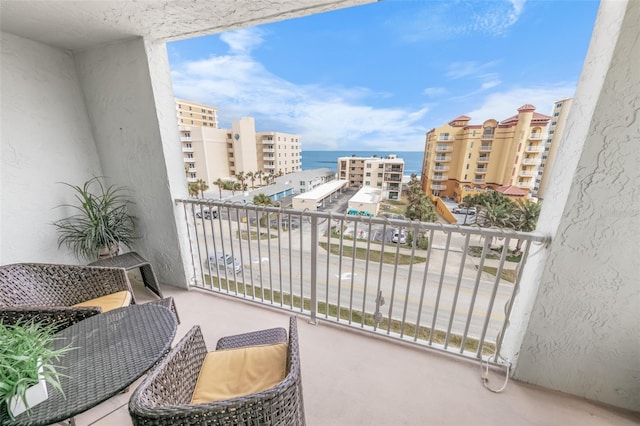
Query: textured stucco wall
(584, 331)
(46, 138)
(128, 94)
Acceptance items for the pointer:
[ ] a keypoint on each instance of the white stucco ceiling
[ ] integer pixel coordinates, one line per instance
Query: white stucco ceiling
(77, 25)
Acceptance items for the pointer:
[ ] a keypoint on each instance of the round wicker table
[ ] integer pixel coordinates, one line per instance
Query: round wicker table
(111, 351)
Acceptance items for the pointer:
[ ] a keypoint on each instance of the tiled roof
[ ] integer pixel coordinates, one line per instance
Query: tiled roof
(512, 190)
(527, 107)
(536, 118)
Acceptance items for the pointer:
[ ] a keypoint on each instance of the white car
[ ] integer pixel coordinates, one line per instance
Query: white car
(463, 210)
(399, 236)
(231, 263)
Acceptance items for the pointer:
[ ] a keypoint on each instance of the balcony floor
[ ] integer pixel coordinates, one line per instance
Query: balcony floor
(352, 378)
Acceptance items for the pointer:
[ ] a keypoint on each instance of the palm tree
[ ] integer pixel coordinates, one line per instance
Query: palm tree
(252, 178)
(202, 186)
(420, 206)
(186, 169)
(193, 189)
(220, 184)
(526, 218)
(241, 178)
(259, 175)
(262, 200)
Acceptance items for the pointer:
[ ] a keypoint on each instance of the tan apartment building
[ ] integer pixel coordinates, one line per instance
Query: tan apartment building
(211, 153)
(196, 114)
(281, 152)
(557, 125)
(461, 158)
(384, 173)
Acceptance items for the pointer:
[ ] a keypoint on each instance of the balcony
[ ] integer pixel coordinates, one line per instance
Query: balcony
(446, 138)
(487, 136)
(441, 168)
(527, 173)
(268, 158)
(524, 184)
(185, 138)
(481, 170)
(187, 149)
(438, 187)
(485, 148)
(444, 148)
(270, 166)
(462, 304)
(360, 365)
(479, 181)
(440, 177)
(443, 158)
(538, 136)
(564, 339)
(534, 148)
(268, 150)
(483, 159)
(532, 161)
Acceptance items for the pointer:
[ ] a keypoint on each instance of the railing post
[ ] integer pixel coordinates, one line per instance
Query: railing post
(313, 305)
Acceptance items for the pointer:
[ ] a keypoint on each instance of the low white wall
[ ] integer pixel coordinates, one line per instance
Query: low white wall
(46, 139)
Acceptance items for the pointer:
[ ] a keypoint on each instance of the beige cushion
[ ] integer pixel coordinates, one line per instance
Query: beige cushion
(231, 373)
(110, 301)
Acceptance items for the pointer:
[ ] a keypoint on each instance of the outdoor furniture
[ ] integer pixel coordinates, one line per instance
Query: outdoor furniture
(130, 261)
(164, 397)
(111, 351)
(47, 292)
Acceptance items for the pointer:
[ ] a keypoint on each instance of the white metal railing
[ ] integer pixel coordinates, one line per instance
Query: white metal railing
(440, 177)
(441, 168)
(438, 186)
(534, 148)
(445, 288)
(443, 158)
(538, 135)
(446, 138)
(485, 148)
(481, 170)
(531, 161)
(444, 148)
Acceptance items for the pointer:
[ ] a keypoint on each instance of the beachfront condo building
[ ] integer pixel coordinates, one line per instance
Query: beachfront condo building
(462, 158)
(384, 173)
(196, 114)
(210, 153)
(557, 125)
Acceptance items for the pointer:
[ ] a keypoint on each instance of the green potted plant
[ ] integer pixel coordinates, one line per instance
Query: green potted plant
(101, 223)
(26, 357)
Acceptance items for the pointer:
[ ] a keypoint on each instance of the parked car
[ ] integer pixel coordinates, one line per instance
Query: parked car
(399, 236)
(463, 210)
(231, 263)
(206, 213)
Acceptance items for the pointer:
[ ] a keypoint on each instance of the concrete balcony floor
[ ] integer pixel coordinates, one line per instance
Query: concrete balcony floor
(352, 378)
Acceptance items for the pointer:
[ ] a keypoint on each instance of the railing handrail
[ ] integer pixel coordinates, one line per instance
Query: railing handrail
(306, 269)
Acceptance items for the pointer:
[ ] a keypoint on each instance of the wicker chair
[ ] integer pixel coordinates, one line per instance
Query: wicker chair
(163, 398)
(47, 292)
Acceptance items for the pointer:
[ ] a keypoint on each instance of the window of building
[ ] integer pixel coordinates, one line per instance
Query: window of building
(471, 145)
(367, 183)
(556, 114)
(379, 183)
(553, 123)
(192, 175)
(551, 132)
(380, 166)
(465, 177)
(467, 167)
(368, 165)
(469, 156)
(368, 174)
(559, 105)
(379, 175)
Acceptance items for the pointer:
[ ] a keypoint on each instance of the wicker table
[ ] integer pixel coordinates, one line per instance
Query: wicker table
(130, 261)
(113, 350)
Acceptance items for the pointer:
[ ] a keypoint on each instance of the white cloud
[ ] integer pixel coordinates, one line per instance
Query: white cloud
(453, 19)
(435, 91)
(244, 40)
(505, 104)
(326, 117)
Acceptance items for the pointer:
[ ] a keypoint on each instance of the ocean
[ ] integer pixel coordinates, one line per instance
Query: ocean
(329, 159)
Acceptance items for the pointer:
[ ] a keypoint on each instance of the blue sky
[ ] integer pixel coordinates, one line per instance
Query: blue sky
(379, 76)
